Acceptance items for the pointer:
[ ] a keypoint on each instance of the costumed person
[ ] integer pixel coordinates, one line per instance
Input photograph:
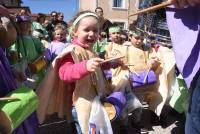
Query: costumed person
(8, 84)
(36, 25)
(38, 34)
(39, 30)
(119, 76)
(142, 58)
(140, 62)
(167, 58)
(99, 46)
(58, 44)
(25, 51)
(183, 23)
(80, 75)
(116, 49)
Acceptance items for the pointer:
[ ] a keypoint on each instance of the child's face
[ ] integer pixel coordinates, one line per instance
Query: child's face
(137, 41)
(116, 37)
(87, 31)
(60, 35)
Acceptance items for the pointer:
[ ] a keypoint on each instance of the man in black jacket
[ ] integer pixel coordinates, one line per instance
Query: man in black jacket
(104, 23)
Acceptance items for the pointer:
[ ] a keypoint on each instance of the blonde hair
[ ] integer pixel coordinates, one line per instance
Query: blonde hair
(60, 26)
(73, 28)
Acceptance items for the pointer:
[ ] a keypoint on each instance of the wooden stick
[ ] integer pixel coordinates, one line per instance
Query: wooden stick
(110, 59)
(8, 98)
(145, 78)
(153, 8)
(135, 73)
(129, 65)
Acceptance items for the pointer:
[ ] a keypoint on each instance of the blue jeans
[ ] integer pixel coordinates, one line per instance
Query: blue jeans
(192, 125)
(74, 114)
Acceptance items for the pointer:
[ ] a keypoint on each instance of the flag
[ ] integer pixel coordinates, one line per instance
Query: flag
(184, 27)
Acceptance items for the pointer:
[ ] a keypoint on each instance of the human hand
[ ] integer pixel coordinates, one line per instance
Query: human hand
(183, 3)
(93, 64)
(116, 63)
(20, 76)
(153, 63)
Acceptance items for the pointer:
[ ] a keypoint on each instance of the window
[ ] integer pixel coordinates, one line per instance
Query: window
(118, 3)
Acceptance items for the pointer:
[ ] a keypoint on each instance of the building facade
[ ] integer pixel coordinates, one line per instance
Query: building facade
(117, 11)
(10, 2)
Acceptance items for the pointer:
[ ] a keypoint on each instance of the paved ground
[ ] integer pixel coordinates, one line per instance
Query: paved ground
(171, 123)
(54, 126)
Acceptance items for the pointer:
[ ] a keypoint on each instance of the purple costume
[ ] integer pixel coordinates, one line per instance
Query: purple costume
(8, 84)
(54, 48)
(184, 26)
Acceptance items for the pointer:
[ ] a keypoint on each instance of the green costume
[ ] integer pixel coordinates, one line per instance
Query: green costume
(36, 25)
(28, 50)
(99, 46)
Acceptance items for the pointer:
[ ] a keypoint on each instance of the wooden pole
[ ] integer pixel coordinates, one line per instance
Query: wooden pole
(110, 59)
(153, 8)
(8, 98)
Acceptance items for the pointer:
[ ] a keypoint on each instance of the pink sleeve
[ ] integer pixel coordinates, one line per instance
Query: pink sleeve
(70, 71)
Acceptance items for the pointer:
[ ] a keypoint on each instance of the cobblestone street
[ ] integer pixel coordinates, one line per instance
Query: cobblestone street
(172, 123)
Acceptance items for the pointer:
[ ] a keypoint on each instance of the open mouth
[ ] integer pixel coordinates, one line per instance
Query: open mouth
(91, 41)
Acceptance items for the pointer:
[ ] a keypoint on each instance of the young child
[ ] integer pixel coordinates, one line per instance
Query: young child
(145, 58)
(116, 49)
(79, 69)
(115, 34)
(26, 51)
(58, 44)
(99, 46)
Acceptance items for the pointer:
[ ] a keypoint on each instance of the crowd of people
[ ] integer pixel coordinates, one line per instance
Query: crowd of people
(95, 74)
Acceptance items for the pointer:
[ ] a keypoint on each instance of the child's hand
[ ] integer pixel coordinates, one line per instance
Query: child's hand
(20, 76)
(116, 63)
(93, 64)
(183, 3)
(153, 63)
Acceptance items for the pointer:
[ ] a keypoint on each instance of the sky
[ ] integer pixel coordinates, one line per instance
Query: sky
(68, 7)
